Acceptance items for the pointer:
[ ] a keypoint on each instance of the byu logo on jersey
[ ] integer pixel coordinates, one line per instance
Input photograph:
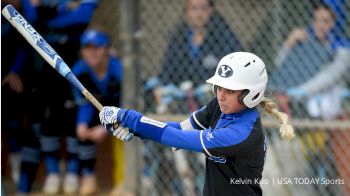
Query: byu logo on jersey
(225, 71)
(209, 136)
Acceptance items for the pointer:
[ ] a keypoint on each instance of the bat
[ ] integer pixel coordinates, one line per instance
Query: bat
(46, 51)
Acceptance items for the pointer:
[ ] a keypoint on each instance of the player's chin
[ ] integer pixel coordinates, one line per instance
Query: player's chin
(224, 109)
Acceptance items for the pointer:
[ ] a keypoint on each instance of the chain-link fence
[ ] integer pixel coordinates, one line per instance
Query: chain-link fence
(305, 47)
(170, 48)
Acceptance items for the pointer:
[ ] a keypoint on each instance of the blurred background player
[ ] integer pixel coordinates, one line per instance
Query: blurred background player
(102, 75)
(60, 23)
(17, 80)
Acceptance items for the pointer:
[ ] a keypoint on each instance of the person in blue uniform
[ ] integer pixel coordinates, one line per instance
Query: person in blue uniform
(61, 23)
(227, 130)
(17, 82)
(102, 75)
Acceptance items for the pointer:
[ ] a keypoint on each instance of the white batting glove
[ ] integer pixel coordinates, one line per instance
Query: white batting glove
(123, 133)
(120, 132)
(108, 115)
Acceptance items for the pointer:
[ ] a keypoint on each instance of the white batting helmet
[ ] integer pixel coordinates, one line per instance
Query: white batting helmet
(242, 71)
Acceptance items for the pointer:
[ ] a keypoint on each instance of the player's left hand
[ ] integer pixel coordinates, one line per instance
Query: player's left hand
(111, 118)
(109, 115)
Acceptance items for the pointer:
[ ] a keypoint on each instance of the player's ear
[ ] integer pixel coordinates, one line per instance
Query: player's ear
(214, 88)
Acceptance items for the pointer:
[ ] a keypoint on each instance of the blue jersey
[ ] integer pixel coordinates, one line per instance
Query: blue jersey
(81, 15)
(234, 144)
(106, 90)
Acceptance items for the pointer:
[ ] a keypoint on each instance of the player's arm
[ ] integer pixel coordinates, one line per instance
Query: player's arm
(184, 125)
(330, 75)
(194, 140)
(84, 116)
(199, 119)
(81, 15)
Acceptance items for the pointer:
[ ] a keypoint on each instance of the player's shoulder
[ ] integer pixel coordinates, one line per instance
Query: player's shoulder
(90, 1)
(115, 64)
(79, 67)
(115, 61)
(213, 105)
(249, 115)
(208, 112)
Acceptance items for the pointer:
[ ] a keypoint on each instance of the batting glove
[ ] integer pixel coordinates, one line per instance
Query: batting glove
(120, 132)
(110, 117)
(123, 133)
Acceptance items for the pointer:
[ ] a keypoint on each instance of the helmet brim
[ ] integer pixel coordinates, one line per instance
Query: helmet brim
(219, 81)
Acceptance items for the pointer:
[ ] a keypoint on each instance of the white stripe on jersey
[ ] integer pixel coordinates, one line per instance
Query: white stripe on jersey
(205, 149)
(198, 123)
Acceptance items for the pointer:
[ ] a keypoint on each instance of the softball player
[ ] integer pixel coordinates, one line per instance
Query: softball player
(228, 130)
(101, 73)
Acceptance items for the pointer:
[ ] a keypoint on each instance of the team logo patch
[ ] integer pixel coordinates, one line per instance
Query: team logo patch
(209, 136)
(225, 71)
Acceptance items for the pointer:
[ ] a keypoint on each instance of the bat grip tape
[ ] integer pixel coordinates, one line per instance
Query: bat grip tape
(73, 80)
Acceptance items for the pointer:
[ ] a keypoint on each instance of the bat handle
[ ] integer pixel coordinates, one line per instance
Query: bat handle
(92, 99)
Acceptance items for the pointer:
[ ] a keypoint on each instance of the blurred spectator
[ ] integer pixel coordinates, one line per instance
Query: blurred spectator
(304, 58)
(193, 51)
(61, 24)
(339, 8)
(333, 74)
(16, 83)
(102, 75)
(304, 53)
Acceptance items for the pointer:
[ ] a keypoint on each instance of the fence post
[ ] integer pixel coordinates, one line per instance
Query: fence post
(128, 27)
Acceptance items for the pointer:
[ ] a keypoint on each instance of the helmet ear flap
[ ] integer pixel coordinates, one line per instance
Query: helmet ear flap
(242, 96)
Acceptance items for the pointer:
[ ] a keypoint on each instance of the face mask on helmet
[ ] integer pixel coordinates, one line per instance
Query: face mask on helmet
(242, 71)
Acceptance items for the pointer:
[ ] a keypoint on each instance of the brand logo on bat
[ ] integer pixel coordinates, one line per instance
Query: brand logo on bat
(35, 35)
(225, 71)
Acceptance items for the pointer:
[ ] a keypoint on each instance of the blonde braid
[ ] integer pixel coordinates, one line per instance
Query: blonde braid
(270, 107)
